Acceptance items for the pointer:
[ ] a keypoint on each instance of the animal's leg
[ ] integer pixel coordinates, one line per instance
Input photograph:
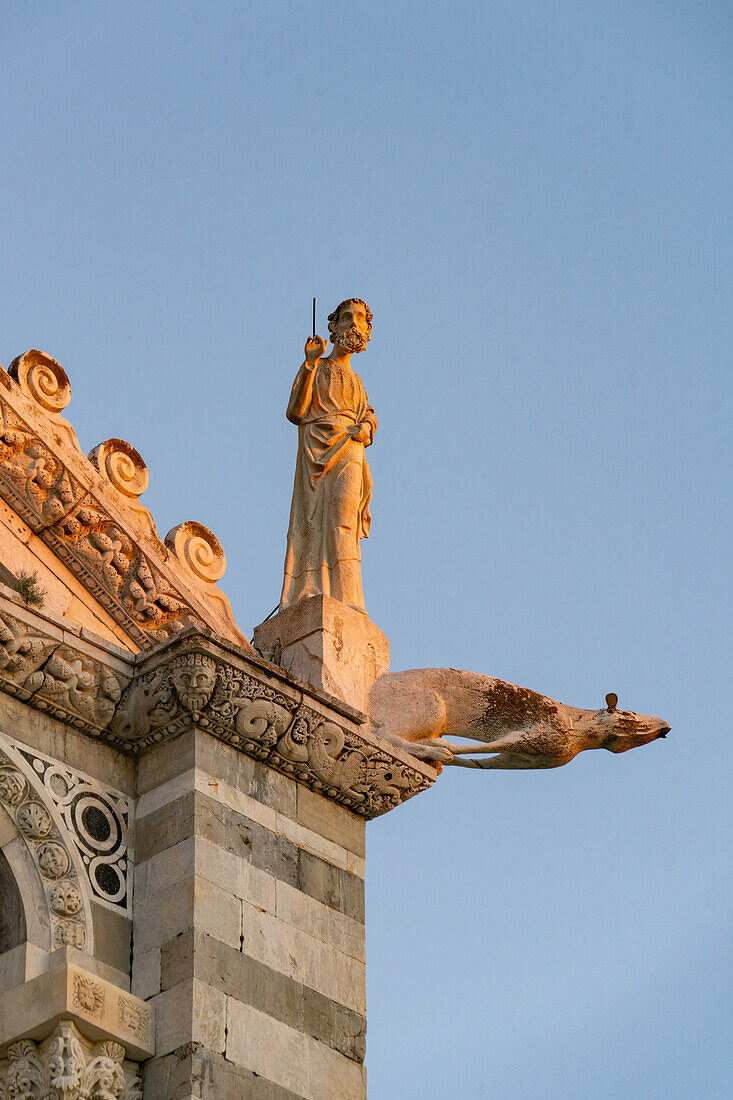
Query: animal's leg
(500, 745)
(435, 748)
(510, 760)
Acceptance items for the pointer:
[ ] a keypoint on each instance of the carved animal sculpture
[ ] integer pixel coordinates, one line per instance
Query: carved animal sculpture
(521, 728)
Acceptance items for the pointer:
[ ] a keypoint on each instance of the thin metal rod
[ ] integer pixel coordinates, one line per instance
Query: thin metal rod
(314, 316)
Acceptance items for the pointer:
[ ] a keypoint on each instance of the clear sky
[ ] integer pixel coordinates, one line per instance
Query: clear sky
(535, 200)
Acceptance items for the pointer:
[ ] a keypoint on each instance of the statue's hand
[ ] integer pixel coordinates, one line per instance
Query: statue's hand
(362, 433)
(315, 347)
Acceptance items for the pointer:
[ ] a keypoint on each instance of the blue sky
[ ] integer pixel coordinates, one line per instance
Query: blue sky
(534, 198)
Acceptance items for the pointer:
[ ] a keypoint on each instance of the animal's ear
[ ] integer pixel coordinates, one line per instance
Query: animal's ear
(611, 701)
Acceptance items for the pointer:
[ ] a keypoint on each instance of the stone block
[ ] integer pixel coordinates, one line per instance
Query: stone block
(318, 845)
(210, 1076)
(311, 962)
(232, 873)
(165, 761)
(327, 818)
(222, 761)
(331, 885)
(192, 903)
(217, 912)
(112, 937)
(294, 1061)
(146, 982)
(329, 645)
(190, 1012)
(269, 991)
(320, 921)
(165, 827)
(165, 869)
(160, 917)
(64, 956)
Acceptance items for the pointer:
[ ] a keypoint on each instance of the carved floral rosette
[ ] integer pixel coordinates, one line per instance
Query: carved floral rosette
(68, 1067)
(54, 858)
(279, 727)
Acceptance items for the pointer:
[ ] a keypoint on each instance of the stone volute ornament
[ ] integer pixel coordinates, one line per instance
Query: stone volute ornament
(122, 465)
(43, 379)
(330, 509)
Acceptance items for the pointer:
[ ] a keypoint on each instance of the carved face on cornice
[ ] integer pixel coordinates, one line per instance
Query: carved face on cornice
(194, 678)
(350, 326)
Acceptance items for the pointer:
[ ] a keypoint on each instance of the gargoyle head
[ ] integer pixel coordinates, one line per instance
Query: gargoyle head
(622, 730)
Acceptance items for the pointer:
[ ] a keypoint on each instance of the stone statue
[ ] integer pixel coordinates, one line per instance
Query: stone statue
(330, 509)
(518, 727)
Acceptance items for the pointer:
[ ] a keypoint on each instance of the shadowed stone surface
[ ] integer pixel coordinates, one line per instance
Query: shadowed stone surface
(12, 917)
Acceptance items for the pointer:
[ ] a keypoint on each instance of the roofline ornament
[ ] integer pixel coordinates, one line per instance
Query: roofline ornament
(105, 537)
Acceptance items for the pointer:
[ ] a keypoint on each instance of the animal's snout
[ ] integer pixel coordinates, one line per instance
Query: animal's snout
(663, 731)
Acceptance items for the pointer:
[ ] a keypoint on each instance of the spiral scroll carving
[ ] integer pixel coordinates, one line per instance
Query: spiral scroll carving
(198, 549)
(122, 466)
(42, 378)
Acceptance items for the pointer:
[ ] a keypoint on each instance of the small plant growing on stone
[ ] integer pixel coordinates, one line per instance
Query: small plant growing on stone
(30, 590)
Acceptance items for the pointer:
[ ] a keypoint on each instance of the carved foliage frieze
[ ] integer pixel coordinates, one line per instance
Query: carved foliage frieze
(64, 681)
(67, 1067)
(273, 726)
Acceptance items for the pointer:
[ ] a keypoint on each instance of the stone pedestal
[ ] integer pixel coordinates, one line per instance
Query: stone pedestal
(327, 644)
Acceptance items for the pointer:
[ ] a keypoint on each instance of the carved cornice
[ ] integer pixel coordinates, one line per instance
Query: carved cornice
(195, 679)
(87, 512)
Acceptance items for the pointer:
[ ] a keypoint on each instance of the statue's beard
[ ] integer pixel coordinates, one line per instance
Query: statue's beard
(352, 341)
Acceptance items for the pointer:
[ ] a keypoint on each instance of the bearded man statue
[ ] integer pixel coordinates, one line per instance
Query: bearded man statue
(330, 510)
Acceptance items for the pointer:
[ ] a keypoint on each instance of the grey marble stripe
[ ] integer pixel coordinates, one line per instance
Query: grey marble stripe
(174, 1077)
(197, 814)
(194, 954)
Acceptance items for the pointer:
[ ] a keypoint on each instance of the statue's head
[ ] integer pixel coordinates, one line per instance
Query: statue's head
(350, 325)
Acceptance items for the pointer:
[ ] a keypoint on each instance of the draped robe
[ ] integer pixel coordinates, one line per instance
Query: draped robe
(329, 514)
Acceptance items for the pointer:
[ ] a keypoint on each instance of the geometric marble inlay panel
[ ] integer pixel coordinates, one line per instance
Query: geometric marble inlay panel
(99, 821)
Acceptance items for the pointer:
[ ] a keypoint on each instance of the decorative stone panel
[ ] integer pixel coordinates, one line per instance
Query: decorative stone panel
(98, 1009)
(59, 866)
(99, 822)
